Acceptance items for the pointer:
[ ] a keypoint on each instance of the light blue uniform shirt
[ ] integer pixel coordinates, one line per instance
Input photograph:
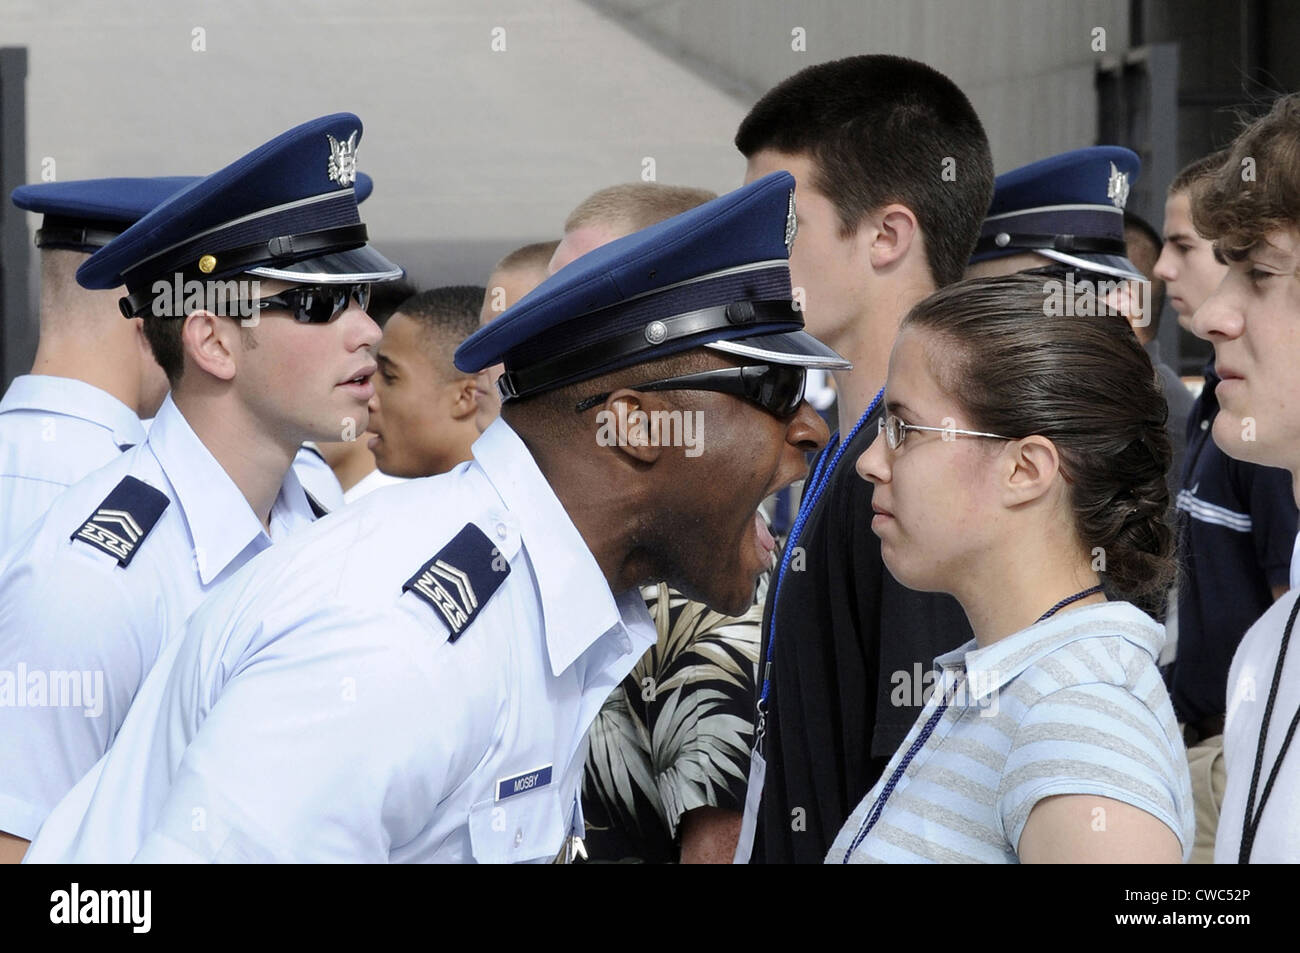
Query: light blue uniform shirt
(53, 432)
(316, 711)
(1071, 705)
(78, 632)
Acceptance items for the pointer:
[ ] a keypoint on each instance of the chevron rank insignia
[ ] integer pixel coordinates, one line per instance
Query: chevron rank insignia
(460, 578)
(124, 519)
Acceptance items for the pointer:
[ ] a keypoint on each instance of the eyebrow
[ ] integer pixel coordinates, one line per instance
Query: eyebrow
(898, 407)
(384, 361)
(1178, 236)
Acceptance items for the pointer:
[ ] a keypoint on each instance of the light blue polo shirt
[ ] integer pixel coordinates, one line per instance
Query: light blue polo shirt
(1071, 705)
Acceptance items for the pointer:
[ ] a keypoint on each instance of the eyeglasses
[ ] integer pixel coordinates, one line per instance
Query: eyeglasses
(895, 431)
(777, 388)
(316, 304)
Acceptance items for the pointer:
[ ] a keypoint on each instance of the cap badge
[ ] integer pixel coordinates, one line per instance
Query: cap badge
(656, 332)
(791, 225)
(343, 160)
(1117, 187)
(207, 263)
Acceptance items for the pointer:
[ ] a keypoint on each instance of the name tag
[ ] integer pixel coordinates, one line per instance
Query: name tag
(523, 783)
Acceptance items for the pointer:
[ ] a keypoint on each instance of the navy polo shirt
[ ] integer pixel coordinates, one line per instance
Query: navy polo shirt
(1236, 529)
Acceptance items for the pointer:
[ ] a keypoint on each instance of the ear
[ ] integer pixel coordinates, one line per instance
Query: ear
(1029, 471)
(894, 230)
(624, 425)
(464, 398)
(210, 344)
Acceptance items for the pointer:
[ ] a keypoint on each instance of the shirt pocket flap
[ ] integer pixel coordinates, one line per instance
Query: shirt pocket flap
(527, 827)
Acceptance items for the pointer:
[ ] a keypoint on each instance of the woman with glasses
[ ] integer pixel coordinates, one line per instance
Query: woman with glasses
(1021, 468)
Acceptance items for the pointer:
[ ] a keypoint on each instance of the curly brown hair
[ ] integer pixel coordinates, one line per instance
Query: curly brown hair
(1256, 191)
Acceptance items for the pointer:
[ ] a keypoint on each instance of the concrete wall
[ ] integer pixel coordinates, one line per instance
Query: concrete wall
(1027, 65)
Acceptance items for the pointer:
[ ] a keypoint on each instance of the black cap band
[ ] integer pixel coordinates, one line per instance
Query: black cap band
(648, 341)
(1078, 244)
(233, 261)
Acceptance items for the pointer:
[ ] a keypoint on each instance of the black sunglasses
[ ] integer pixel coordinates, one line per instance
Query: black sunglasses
(777, 388)
(316, 304)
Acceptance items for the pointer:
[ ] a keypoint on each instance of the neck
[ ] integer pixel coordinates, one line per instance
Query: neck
(355, 466)
(255, 459)
(458, 449)
(95, 359)
(1003, 595)
(609, 536)
(867, 341)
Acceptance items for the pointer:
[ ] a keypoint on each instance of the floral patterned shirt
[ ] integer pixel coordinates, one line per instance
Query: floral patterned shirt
(676, 734)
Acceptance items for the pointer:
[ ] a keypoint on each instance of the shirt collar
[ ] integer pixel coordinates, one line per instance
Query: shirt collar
(222, 524)
(74, 398)
(991, 668)
(577, 604)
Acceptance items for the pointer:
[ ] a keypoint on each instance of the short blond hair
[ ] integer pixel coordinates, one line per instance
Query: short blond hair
(636, 205)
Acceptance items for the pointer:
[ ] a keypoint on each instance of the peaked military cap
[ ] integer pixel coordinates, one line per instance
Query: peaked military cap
(87, 214)
(717, 276)
(286, 210)
(1069, 207)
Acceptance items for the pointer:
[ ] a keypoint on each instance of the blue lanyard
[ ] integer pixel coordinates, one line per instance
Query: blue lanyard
(818, 482)
(870, 821)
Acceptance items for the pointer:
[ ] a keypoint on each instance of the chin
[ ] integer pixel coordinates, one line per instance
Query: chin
(733, 600)
(1227, 434)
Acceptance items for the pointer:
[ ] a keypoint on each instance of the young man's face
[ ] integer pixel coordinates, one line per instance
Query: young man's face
(504, 289)
(420, 405)
(830, 268)
(308, 381)
(1186, 263)
(1253, 321)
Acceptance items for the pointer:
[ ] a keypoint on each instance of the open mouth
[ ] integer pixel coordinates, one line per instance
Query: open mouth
(360, 385)
(764, 542)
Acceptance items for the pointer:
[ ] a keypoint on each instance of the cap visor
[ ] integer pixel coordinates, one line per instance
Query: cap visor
(1116, 266)
(359, 264)
(790, 347)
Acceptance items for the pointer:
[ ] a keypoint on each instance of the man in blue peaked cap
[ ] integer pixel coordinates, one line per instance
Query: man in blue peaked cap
(422, 667)
(251, 284)
(1063, 217)
(93, 377)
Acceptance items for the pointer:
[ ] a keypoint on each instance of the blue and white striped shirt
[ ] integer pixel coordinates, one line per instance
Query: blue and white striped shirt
(1071, 705)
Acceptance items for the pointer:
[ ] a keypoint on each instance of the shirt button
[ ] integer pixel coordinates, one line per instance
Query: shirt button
(501, 531)
(1205, 425)
(519, 836)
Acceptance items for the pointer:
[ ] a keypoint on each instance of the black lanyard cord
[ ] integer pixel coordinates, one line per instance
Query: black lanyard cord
(1250, 825)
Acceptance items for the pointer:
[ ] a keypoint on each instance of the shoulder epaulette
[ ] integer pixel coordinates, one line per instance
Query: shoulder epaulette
(124, 519)
(460, 578)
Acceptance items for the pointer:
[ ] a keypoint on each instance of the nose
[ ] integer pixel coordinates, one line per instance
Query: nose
(1165, 268)
(362, 330)
(807, 431)
(372, 404)
(1220, 316)
(873, 464)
